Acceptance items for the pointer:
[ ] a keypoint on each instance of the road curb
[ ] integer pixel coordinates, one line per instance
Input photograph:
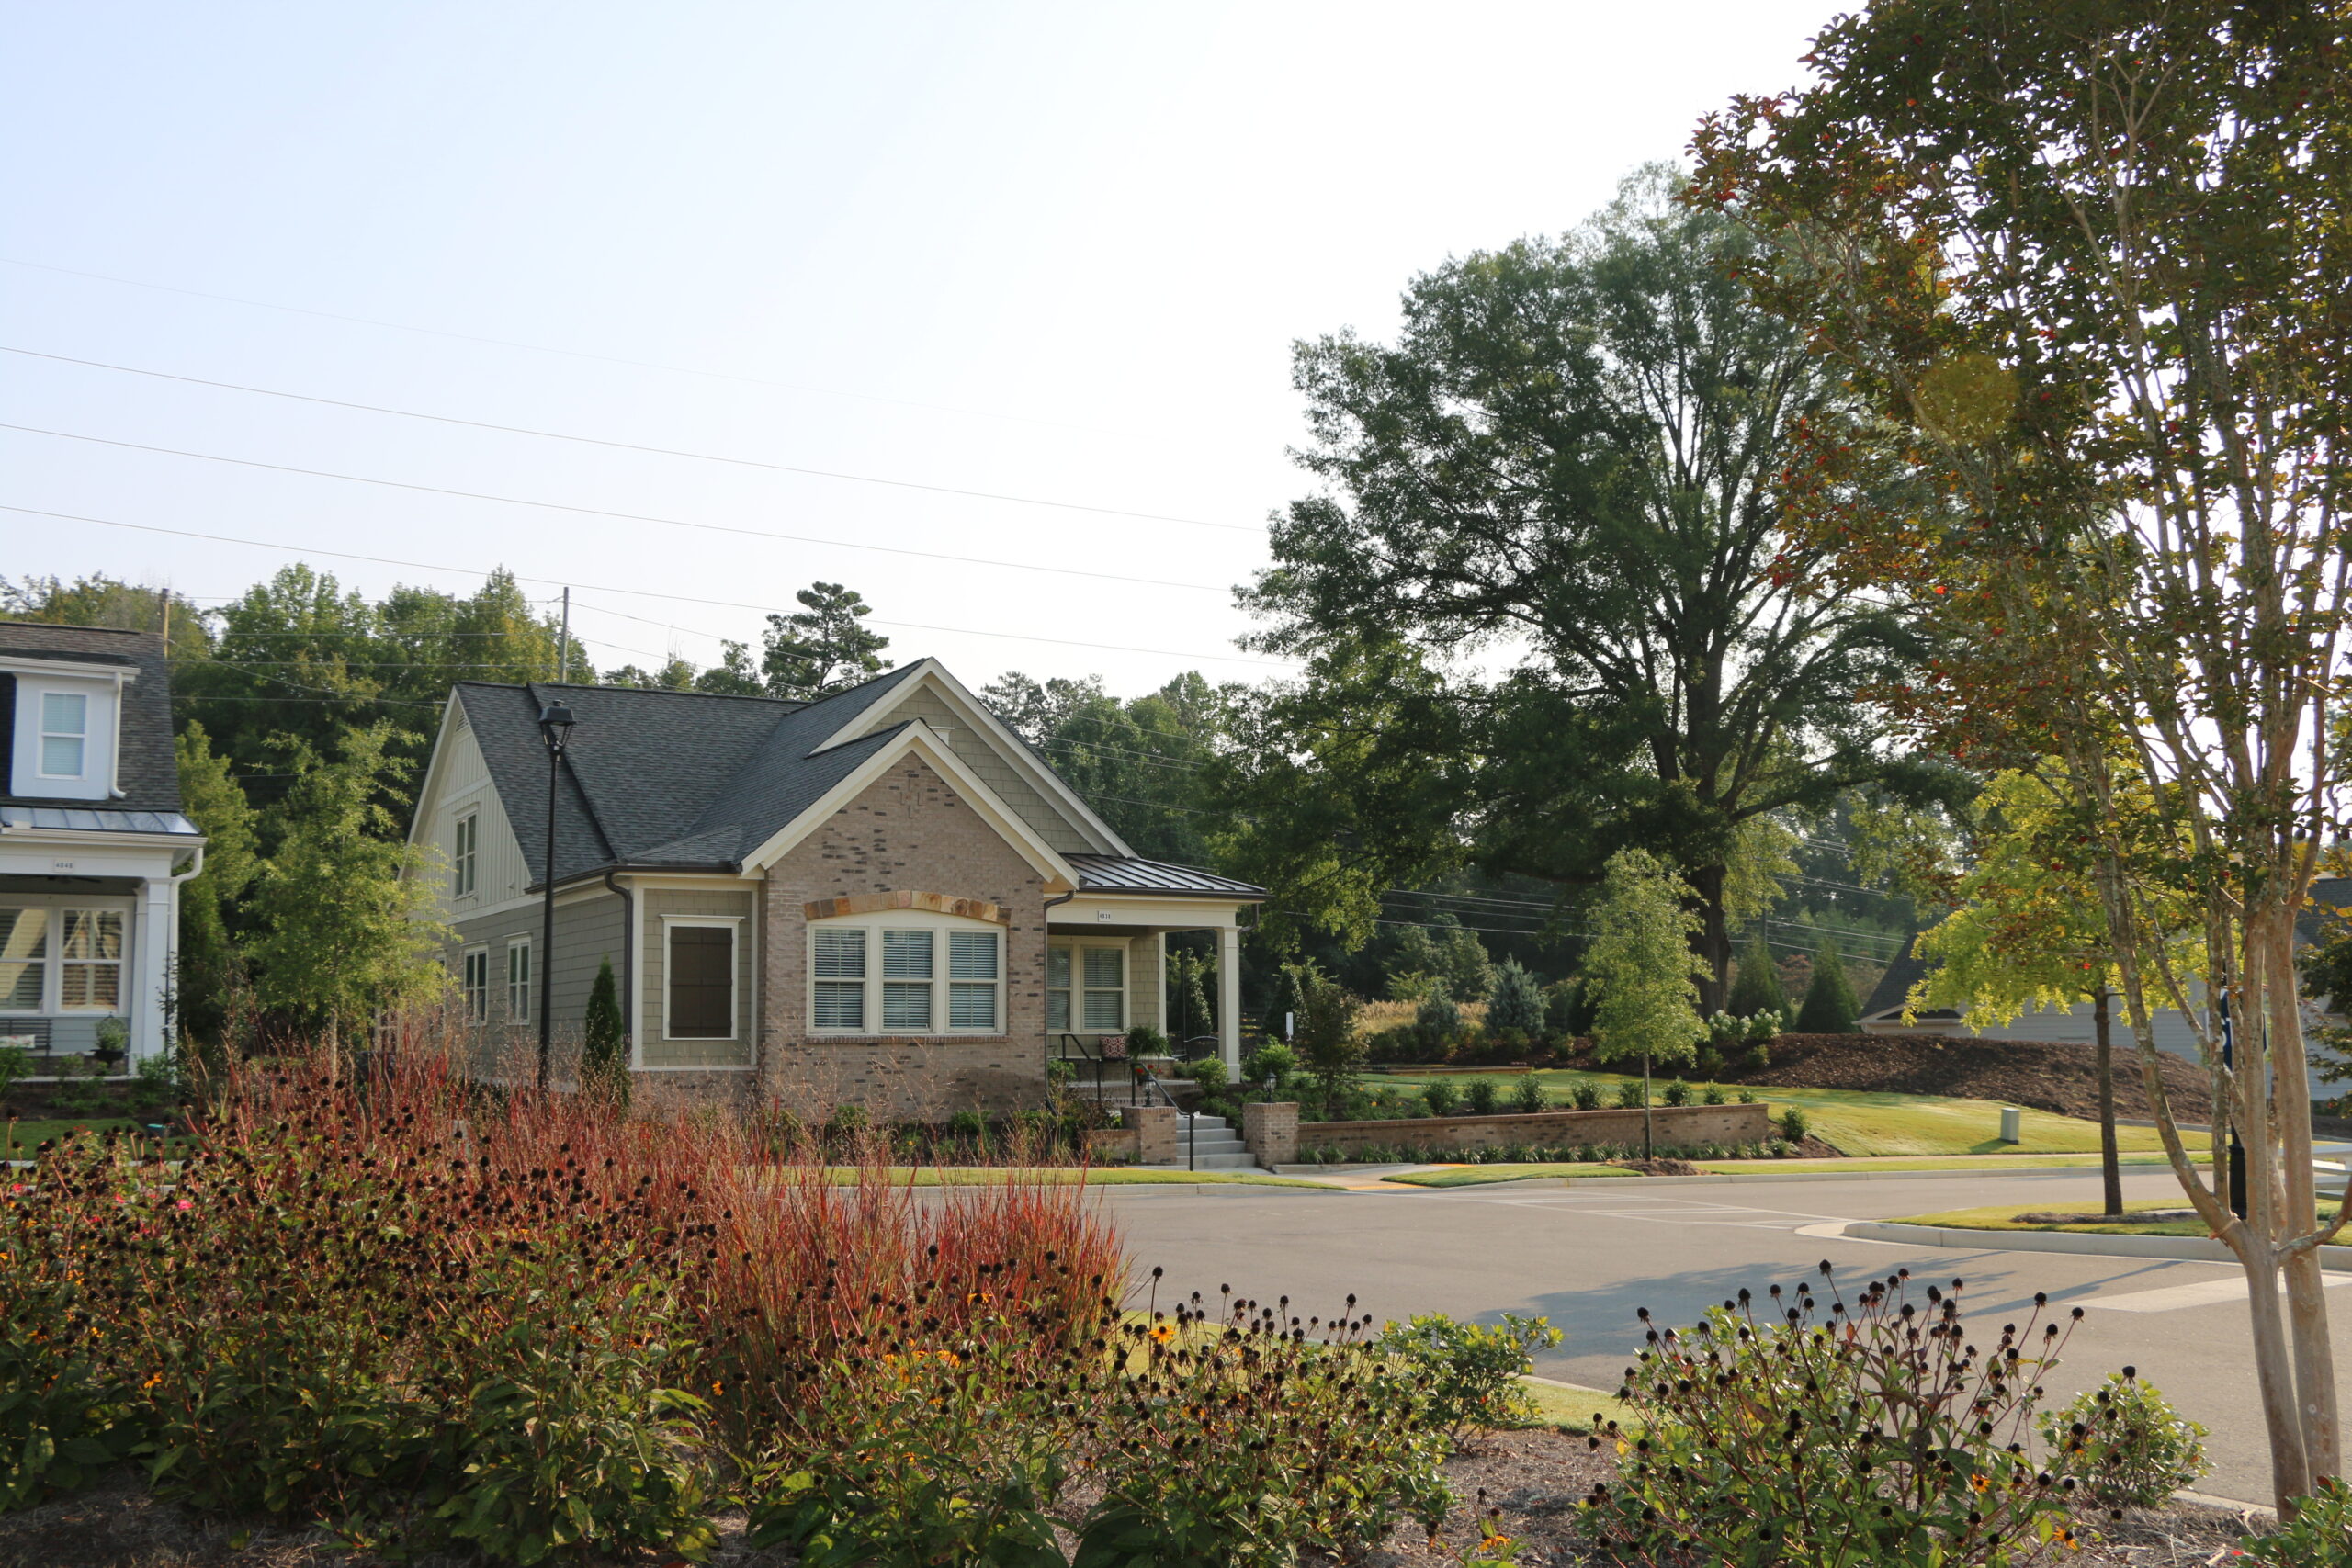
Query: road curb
(1736, 1176)
(2179, 1249)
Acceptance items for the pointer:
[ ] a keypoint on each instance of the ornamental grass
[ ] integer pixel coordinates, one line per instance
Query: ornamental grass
(428, 1313)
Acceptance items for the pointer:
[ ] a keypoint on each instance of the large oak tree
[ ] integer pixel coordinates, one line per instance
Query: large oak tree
(1544, 589)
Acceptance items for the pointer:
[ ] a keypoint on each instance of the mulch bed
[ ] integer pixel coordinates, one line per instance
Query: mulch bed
(2041, 1076)
(1534, 1477)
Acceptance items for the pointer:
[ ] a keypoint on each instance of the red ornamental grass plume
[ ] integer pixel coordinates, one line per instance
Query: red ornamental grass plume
(783, 1261)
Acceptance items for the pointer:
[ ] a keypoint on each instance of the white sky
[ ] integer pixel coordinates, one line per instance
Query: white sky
(1050, 251)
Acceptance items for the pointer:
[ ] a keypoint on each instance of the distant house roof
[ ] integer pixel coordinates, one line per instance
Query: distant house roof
(146, 769)
(663, 779)
(1122, 874)
(1895, 985)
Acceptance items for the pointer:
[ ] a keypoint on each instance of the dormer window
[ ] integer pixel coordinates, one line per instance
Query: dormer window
(64, 734)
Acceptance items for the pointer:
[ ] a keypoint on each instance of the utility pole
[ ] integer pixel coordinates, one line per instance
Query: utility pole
(563, 639)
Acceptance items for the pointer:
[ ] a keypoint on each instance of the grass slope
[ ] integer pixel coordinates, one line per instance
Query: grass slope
(2004, 1217)
(1864, 1123)
(1486, 1175)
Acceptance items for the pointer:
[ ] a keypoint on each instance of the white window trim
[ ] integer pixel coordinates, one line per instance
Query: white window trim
(734, 1036)
(44, 734)
(529, 991)
(1077, 988)
(873, 924)
(52, 967)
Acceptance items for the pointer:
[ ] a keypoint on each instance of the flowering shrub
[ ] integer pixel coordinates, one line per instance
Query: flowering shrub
(2136, 1450)
(1873, 1433)
(1471, 1372)
(1240, 1441)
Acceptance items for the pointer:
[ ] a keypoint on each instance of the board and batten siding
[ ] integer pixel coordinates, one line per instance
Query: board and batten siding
(464, 785)
(653, 1050)
(978, 752)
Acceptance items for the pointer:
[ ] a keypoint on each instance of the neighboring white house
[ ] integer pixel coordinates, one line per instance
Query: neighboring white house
(1882, 1014)
(93, 844)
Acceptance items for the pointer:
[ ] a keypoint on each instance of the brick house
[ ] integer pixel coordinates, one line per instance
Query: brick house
(884, 898)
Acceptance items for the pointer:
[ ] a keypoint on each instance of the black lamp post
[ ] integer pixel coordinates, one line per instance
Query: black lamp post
(555, 727)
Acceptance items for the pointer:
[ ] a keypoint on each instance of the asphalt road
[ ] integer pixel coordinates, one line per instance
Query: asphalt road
(1588, 1256)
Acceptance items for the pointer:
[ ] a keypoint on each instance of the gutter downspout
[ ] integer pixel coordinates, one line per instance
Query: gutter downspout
(629, 961)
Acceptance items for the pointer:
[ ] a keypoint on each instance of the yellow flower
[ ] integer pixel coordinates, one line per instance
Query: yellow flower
(1163, 1334)
(1979, 1483)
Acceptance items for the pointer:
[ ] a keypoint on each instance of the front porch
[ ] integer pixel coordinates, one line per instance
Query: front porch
(1107, 953)
(88, 911)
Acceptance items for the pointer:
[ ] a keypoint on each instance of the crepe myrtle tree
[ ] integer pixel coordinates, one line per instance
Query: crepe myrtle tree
(1567, 464)
(2082, 265)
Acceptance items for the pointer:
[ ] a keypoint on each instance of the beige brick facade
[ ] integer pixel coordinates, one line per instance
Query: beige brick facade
(909, 832)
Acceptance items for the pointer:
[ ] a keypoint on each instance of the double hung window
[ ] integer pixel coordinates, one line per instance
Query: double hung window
(907, 974)
(518, 979)
(64, 734)
(477, 984)
(24, 958)
(464, 855)
(1087, 985)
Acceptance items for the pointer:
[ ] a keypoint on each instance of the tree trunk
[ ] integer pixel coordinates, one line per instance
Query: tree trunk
(2273, 943)
(1712, 942)
(2111, 1168)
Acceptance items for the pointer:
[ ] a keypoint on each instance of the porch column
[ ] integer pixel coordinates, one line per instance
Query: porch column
(1228, 997)
(150, 968)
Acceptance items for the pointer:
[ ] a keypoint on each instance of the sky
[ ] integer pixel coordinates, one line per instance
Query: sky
(984, 310)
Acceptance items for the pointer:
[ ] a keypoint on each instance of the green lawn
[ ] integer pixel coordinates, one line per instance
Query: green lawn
(1576, 1409)
(2143, 1161)
(18, 1139)
(2004, 1217)
(1862, 1123)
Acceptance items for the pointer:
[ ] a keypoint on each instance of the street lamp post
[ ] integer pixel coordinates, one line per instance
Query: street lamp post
(555, 727)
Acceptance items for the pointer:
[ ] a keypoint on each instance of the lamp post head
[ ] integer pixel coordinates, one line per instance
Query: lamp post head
(555, 725)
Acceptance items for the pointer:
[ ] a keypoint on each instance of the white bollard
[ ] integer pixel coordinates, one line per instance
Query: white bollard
(2012, 1124)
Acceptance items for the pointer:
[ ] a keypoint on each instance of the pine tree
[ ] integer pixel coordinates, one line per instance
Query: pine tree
(1518, 1002)
(1830, 1007)
(1758, 989)
(603, 1053)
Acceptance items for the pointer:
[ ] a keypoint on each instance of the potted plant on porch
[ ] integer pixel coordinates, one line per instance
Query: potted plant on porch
(114, 1043)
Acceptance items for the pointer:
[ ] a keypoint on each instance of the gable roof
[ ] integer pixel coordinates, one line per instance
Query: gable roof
(146, 769)
(657, 778)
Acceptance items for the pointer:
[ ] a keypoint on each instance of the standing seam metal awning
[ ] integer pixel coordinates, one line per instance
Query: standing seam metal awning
(1121, 873)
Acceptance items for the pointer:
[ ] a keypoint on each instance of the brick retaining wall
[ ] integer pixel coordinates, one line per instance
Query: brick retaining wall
(1677, 1126)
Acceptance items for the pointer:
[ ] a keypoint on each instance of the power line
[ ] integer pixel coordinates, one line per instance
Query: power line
(595, 587)
(544, 348)
(636, 447)
(602, 512)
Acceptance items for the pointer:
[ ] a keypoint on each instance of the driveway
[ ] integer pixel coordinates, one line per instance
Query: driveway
(1588, 1256)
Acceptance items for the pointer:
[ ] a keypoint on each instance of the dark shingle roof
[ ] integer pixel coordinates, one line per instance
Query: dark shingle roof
(1124, 873)
(147, 769)
(652, 777)
(1887, 996)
